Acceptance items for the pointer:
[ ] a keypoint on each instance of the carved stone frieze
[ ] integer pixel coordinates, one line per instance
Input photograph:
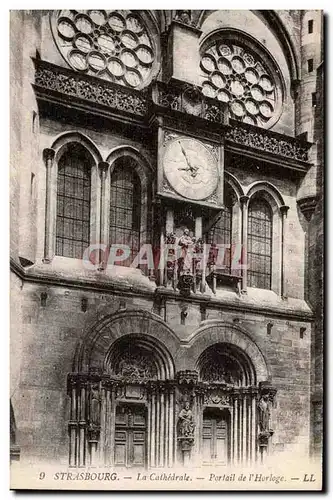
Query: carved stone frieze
(169, 136)
(188, 99)
(216, 398)
(166, 187)
(213, 149)
(169, 99)
(213, 113)
(188, 377)
(130, 392)
(51, 77)
(264, 141)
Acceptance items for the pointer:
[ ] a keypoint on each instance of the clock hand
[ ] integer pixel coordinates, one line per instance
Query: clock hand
(193, 169)
(184, 153)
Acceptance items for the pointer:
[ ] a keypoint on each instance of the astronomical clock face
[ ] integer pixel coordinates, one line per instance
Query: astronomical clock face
(190, 168)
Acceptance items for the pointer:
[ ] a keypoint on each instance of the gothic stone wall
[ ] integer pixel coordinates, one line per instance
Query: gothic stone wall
(48, 337)
(107, 138)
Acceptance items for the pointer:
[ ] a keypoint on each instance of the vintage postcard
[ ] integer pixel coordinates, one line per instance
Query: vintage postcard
(166, 240)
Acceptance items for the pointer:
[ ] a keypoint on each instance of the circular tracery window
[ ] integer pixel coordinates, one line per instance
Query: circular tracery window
(114, 45)
(233, 74)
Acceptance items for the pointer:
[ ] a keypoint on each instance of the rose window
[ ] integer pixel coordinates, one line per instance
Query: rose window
(234, 75)
(113, 45)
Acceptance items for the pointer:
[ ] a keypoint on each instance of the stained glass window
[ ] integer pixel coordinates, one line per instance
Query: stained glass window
(73, 202)
(259, 244)
(221, 231)
(125, 208)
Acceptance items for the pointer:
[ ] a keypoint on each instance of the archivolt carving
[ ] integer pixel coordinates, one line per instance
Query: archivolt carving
(146, 329)
(218, 332)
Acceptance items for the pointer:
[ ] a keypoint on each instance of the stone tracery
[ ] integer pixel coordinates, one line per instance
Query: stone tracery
(113, 45)
(233, 74)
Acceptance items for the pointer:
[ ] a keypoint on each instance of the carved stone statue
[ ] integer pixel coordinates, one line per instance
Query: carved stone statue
(184, 16)
(186, 243)
(95, 407)
(186, 424)
(264, 413)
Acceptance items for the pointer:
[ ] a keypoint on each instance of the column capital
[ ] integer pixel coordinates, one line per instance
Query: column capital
(103, 166)
(244, 200)
(48, 154)
(284, 209)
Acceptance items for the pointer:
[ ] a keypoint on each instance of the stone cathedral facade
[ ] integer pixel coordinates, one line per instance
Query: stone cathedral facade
(138, 140)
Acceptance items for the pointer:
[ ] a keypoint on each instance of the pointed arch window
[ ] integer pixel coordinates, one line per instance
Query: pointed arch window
(221, 232)
(259, 244)
(125, 208)
(73, 202)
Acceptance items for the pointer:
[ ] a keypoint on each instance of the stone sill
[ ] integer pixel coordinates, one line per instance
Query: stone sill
(118, 279)
(64, 270)
(265, 299)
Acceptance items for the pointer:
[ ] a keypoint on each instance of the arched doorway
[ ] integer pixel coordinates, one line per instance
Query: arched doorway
(227, 406)
(123, 401)
(231, 398)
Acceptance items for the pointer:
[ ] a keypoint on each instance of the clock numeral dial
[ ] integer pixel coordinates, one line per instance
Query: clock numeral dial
(190, 168)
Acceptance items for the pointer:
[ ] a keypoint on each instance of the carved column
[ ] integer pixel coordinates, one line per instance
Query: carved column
(113, 420)
(172, 428)
(167, 429)
(162, 422)
(253, 429)
(108, 443)
(162, 263)
(73, 424)
(148, 427)
(153, 430)
(236, 455)
(103, 427)
(231, 430)
(82, 425)
(48, 156)
(284, 210)
(244, 200)
(245, 434)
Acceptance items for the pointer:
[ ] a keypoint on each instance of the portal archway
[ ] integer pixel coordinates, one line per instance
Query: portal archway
(122, 393)
(233, 385)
